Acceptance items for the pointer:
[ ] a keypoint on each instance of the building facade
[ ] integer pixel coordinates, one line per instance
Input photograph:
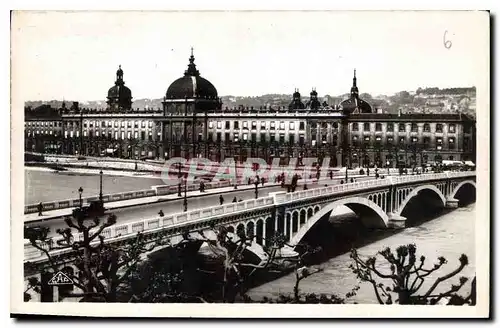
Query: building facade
(194, 123)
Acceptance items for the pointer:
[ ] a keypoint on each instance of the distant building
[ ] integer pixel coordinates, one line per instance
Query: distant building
(194, 123)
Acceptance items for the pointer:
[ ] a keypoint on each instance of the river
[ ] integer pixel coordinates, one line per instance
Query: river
(45, 186)
(448, 235)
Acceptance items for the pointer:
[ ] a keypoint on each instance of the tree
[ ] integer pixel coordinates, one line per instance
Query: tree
(103, 267)
(407, 277)
(238, 272)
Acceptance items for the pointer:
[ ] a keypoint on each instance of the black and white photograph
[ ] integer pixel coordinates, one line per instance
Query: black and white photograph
(236, 163)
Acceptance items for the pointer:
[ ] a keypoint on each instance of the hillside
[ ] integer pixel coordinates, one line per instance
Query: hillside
(428, 100)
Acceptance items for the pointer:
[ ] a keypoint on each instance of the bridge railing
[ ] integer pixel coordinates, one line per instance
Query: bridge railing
(148, 224)
(333, 189)
(460, 174)
(412, 178)
(75, 202)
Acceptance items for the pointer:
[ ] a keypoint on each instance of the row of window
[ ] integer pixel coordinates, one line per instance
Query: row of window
(117, 124)
(426, 140)
(46, 132)
(92, 124)
(42, 124)
(116, 135)
(263, 137)
(273, 125)
(253, 125)
(402, 127)
(246, 125)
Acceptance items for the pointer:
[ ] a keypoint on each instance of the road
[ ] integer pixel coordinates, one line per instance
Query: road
(136, 213)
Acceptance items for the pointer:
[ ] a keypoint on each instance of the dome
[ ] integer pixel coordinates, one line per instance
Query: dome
(313, 102)
(354, 103)
(119, 96)
(296, 102)
(350, 105)
(192, 85)
(120, 92)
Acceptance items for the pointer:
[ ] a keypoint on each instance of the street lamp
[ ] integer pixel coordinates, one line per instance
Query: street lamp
(100, 186)
(80, 191)
(346, 172)
(388, 168)
(185, 196)
(235, 176)
(256, 189)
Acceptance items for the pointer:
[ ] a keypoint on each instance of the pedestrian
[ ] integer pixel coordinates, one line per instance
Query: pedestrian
(262, 180)
(161, 214)
(234, 200)
(221, 199)
(331, 175)
(249, 181)
(352, 180)
(40, 209)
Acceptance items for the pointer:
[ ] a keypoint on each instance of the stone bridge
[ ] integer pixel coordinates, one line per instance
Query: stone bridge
(379, 203)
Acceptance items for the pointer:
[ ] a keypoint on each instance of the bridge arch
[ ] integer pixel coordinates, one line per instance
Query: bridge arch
(250, 229)
(415, 192)
(460, 185)
(371, 215)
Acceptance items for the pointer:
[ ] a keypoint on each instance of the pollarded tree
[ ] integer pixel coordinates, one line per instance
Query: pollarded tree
(102, 267)
(407, 275)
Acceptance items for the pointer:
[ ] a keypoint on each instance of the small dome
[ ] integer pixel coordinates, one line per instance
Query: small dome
(350, 105)
(296, 101)
(119, 91)
(192, 85)
(119, 96)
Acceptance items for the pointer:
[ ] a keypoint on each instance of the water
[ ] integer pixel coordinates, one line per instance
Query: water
(45, 186)
(449, 235)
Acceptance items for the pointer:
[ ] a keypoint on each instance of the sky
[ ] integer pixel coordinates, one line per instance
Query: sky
(75, 55)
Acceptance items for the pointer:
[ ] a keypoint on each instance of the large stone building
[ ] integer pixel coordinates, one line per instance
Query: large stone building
(194, 123)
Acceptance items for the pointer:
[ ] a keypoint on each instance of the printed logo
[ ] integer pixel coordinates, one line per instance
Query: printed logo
(60, 278)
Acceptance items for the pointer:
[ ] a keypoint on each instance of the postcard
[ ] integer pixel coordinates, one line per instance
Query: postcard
(253, 164)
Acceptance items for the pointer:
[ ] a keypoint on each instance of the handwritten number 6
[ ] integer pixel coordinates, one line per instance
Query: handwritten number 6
(447, 43)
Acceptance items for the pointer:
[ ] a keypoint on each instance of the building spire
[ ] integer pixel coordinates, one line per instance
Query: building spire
(192, 67)
(119, 76)
(354, 89)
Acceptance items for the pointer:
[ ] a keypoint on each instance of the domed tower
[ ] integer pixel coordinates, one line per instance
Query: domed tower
(296, 102)
(119, 96)
(313, 102)
(198, 92)
(190, 97)
(355, 105)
